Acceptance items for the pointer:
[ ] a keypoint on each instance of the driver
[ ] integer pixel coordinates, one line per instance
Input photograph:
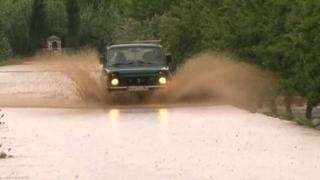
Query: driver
(120, 58)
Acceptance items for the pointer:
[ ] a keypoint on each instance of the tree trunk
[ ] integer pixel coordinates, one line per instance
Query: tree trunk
(273, 107)
(309, 110)
(288, 102)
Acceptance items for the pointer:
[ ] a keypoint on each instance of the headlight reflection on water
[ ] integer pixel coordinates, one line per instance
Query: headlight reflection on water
(114, 115)
(163, 116)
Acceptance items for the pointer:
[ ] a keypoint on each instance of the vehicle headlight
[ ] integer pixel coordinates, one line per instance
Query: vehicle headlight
(162, 80)
(115, 82)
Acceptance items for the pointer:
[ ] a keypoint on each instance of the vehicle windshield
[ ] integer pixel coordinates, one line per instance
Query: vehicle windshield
(136, 56)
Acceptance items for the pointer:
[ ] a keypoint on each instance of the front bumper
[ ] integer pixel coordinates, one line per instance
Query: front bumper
(136, 88)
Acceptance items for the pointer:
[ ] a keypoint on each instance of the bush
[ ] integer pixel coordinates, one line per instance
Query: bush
(303, 121)
(5, 49)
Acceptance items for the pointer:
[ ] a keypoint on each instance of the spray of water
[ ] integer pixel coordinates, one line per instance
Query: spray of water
(64, 77)
(206, 77)
(211, 77)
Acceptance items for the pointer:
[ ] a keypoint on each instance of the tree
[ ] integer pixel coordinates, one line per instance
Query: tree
(180, 30)
(306, 43)
(57, 18)
(38, 31)
(15, 17)
(5, 49)
(73, 12)
(98, 25)
(142, 10)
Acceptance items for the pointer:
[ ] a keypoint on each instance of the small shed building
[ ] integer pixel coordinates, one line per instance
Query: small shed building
(54, 43)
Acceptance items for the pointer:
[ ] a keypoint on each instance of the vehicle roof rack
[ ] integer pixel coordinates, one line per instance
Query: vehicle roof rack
(136, 42)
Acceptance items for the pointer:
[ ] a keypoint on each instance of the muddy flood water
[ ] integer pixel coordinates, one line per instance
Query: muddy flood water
(59, 123)
(76, 80)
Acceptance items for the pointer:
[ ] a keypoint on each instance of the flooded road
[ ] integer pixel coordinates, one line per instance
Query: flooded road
(51, 134)
(218, 142)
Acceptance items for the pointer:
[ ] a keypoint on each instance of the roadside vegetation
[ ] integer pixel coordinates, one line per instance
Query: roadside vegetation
(297, 118)
(3, 152)
(281, 36)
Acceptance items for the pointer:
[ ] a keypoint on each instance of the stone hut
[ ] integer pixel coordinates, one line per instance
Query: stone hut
(54, 43)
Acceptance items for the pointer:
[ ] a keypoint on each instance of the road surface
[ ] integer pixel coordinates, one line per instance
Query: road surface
(145, 142)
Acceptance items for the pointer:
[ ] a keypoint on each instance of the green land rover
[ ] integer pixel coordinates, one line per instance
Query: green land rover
(136, 66)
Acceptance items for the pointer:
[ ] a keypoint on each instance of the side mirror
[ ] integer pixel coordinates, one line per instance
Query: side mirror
(169, 59)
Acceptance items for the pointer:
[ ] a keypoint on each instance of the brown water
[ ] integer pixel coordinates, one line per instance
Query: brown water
(215, 77)
(206, 78)
(82, 68)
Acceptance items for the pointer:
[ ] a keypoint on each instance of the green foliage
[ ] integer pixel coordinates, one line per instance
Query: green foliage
(15, 20)
(98, 25)
(38, 28)
(73, 10)
(133, 30)
(57, 18)
(304, 122)
(142, 10)
(5, 49)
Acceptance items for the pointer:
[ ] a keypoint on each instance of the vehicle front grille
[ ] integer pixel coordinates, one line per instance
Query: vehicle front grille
(137, 81)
